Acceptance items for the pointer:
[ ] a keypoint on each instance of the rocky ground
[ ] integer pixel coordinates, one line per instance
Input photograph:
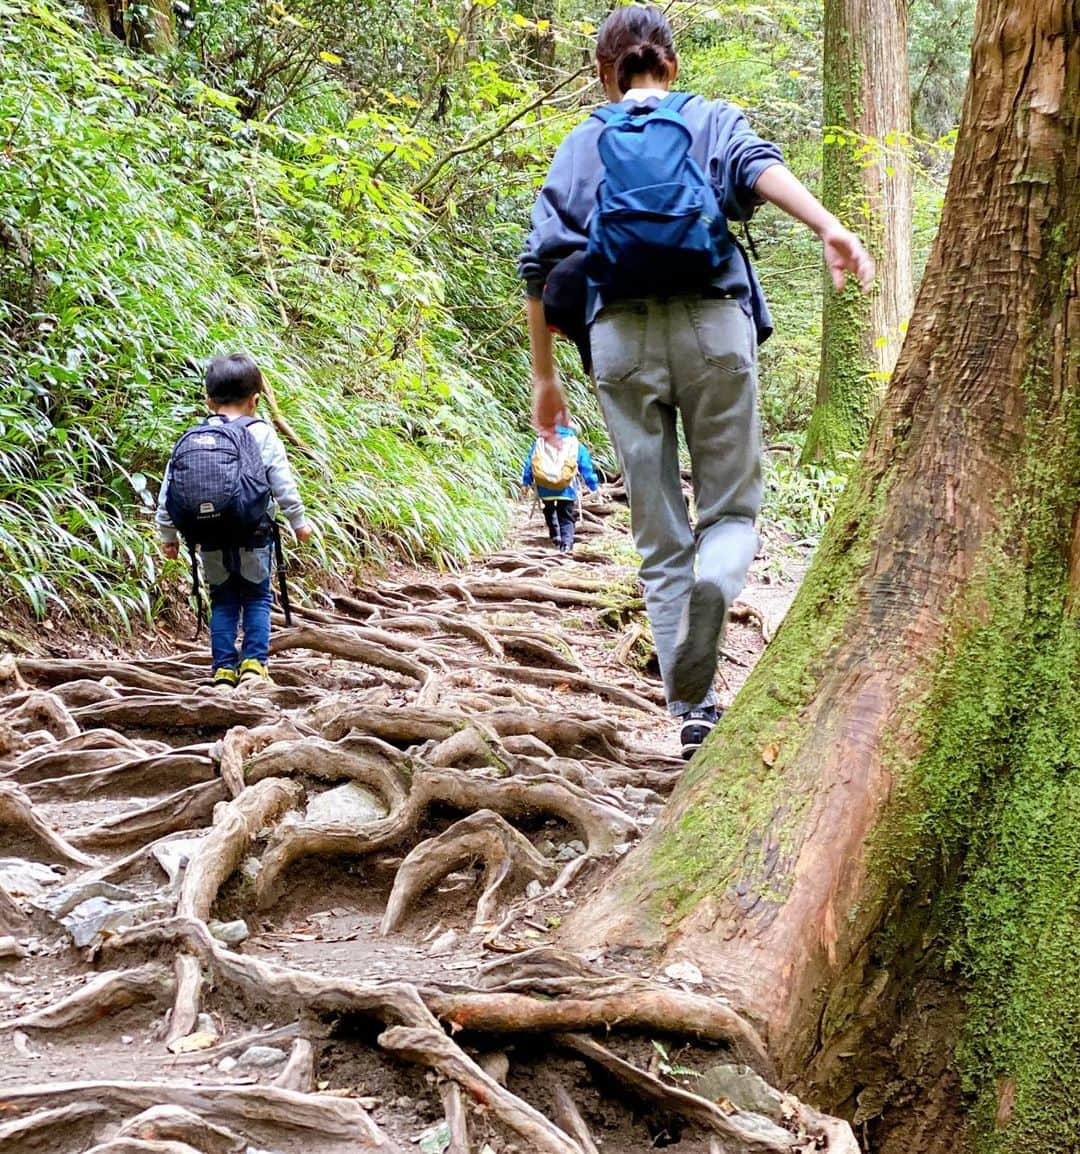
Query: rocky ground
(323, 915)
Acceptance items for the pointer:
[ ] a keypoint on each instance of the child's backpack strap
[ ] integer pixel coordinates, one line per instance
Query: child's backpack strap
(606, 113)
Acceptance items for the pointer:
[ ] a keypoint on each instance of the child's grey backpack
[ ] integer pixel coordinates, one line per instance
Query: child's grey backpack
(219, 495)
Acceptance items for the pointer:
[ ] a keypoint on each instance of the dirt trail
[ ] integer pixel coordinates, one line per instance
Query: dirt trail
(360, 871)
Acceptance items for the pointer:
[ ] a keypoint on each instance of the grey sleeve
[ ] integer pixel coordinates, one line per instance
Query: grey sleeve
(166, 530)
(282, 481)
(560, 217)
(737, 157)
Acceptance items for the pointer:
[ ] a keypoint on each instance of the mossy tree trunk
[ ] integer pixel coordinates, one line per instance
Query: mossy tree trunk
(150, 25)
(876, 852)
(866, 182)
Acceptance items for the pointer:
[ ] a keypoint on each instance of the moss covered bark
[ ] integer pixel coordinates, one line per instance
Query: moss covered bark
(875, 853)
(866, 182)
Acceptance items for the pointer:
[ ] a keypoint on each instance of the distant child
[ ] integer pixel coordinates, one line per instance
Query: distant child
(554, 464)
(219, 493)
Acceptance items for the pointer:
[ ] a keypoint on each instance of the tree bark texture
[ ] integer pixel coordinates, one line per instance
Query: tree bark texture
(150, 26)
(875, 853)
(866, 182)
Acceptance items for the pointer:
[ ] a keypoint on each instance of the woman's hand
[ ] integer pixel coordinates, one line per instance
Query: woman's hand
(844, 253)
(171, 550)
(549, 405)
(303, 534)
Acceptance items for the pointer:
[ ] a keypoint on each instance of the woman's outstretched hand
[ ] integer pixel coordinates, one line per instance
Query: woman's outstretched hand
(844, 253)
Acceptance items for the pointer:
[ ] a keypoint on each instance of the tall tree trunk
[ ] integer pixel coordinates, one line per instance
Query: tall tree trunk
(866, 182)
(875, 854)
(150, 26)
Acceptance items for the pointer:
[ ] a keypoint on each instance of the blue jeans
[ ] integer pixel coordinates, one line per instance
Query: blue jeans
(234, 599)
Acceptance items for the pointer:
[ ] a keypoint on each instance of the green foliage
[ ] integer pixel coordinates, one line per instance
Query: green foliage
(940, 49)
(342, 191)
(800, 499)
(144, 224)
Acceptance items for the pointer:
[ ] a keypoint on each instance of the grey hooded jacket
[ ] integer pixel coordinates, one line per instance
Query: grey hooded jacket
(728, 151)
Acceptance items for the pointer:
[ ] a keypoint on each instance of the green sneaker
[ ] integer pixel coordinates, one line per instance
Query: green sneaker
(225, 676)
(252, 670)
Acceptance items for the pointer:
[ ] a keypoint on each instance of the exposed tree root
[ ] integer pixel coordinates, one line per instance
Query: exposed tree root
(191, 711)
(628, 1003)
(507, 856)
(565, 733)
(602, 825)
(127, 864)
(185, 1009)
(56, 672)
(240, 743)
(126, 1145)
(280, 986)
(502, 590)
(545, 649)
(579, 683)
(104, 994)
(456, 1118)
(213, 1054)
(569, 1118)
(347, 642)
(219, 854)
(431, 1047)
(742, 612)
(750, 1133)
(453, 626)
(18, 812)
(37, 710)
(180, 810)
(265, 1105)
(32, 1131)
(133, 775)
(366, 760)
(175, 1124)
(298, 1072)
(12, 919)
(216, 858)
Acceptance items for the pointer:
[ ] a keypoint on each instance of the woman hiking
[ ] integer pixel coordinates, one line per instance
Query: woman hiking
(645, 186)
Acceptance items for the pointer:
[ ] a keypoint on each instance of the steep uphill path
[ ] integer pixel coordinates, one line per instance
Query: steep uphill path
(322, 915)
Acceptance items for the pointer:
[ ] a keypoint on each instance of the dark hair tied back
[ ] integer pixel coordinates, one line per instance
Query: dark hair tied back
(636, 41)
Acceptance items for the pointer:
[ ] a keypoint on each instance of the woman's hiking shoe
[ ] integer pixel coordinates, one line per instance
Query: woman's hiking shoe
(694, 667)
(225, 678)
(696, 726)
(252, 670)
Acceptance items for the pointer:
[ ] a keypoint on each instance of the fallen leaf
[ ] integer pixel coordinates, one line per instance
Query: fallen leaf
(770, 753)
(201, 1040)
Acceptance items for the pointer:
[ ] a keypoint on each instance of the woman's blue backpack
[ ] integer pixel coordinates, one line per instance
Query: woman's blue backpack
(657, 228)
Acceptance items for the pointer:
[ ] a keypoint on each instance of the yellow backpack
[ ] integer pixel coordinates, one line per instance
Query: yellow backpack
(555, 465)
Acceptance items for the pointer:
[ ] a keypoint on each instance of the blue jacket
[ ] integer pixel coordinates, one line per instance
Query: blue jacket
(725, 146)
(585, 471)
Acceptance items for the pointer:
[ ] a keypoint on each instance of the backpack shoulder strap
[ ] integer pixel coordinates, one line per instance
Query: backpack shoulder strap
(606, 113)
(676, 101)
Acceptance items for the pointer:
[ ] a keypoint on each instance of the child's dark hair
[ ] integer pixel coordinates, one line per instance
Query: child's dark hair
(636, 40)
(233, 378)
